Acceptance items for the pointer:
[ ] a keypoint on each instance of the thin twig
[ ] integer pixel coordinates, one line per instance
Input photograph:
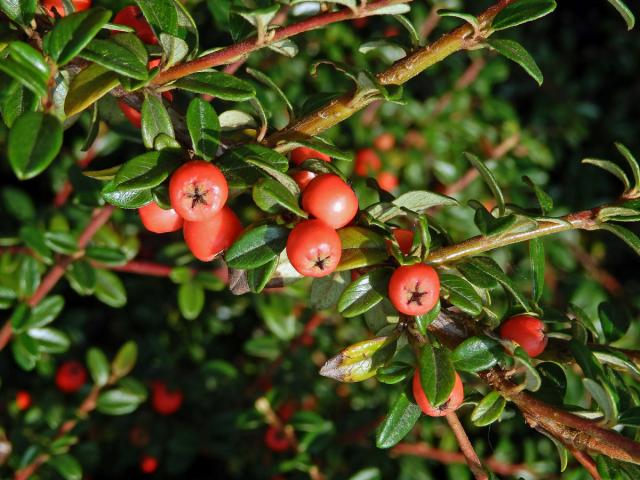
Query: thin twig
(586, 461)
(468, 451)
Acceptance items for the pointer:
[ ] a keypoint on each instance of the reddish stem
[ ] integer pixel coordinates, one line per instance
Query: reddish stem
(586, 461)
(469, 453)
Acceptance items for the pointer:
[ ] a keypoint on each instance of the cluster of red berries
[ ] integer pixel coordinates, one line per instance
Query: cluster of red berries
(314, 247)
(368, 163)
(198, 193)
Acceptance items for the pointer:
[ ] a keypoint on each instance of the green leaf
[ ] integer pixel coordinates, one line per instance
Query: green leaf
(34, 141)
(461, 294)
(488, 224)
(625, 12)
(394, 373)
(610, 469)
(124, 54)
(20, 11)
(488, 410)
(118, 402)
(522, 11)
(603, 397)
(94, 128)
(98, 366)
(476, 275)
(467, 17)
(517, 53)
(614, 321)
(533, 382)
(416, 201)
(545, 201)
(72, 33)
(398, 423)
(204, 128)
(489, 179)
(89, 86)
(106, 255)
(476, 354)
(17, 100)
(218, 84)
(625, 235)
(61, 242)
(437, 375)
(190, 300)
(423, 321)
(46, 311)
(282, 178)
(271, 196)
(363, 294)
(261, 77)
(326, 291)
(630, 417)
(50, 340)
(125, 359)
(359, 361)
(258, 278)
(67, 466)
(590, 366)
(257, 246)
(536, 256)
(240, 173)
(25, 351)
(493, 270)
(155, 120)
(82, 277)
(33, 237)
(143, 172)
(110, 289)
(20, 318)
(633, 163)
(361, 247)
(612, 168)
(26, 65)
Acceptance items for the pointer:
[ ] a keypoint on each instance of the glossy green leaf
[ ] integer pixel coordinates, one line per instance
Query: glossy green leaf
(532, 378)
(476, 354)
(467, 17)
(204, 128)
(326, 291)
(257, 246)
(89, 86)
(517, 53)
(265, 79)
(117, 402)
(26, 65)
(98, 366)
(34, 141)
(437, 375)
(20, 317)
(614, 320)
(361, 247)
(258, 278)
(602, 395)
(82, 277)
(590, 366)
(476, 275)
(363, 294)
(624, 12)
(398, 423)
(110, 289)
(359, 361)
(20, 11)
(190, 300)
(461, 294)
(544, 199)
(46, 311)
(50, 340)
(218, 84)
(124, 54)
(125, 359)
(72, 33)
(493, 270)
(67, 466)
(612, 168)
(106, 255)
(143, 172)
(416, 201)
(489, 179)
(61, 242)
(521, 12)
(272, 197)
(25, 351)
(537, 259)
(155, 120)
(631, 160)
(624, 234)
(488, 410)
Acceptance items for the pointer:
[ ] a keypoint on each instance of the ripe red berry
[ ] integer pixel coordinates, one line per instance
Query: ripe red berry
(208, 238)
(404, 238)
(148, 464)
(300, 154)
(158, 220)
(387, 181)
(384, 142)
(526, 331)
(414, 289)
(451, 405)
(23, 400)
(165, 401)
(71, 376)
(131, 16)
(330, 199)
(366, 162)
(198, 190)
(50, 5)
(276, 440)
(314, 248)
(302, 178)
(133, 115)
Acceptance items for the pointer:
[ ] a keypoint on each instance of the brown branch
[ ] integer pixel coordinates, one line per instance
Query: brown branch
(235, 52)
(468, 451)
(50, 280)
(425, 451)
(586, 461)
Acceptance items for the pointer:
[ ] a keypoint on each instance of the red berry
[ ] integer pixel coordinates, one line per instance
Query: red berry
(367, 162)
(276, 440)
(360, 23)
(71, 376)
(451, 405)
(208, 238)
(165, 401)
(23, 400)
(131, 16)
(302, 178)
(159, 220)
(414, 289)
(133, 115)
(198, 190)
(384, 142)
(526, 331)
(404, 238)
(387, 181)
(330, 199)
(50, 5)
(300, 154)
(148, 464)
(314, 248)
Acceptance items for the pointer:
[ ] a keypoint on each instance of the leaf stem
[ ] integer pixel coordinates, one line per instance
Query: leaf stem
(469, 453)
